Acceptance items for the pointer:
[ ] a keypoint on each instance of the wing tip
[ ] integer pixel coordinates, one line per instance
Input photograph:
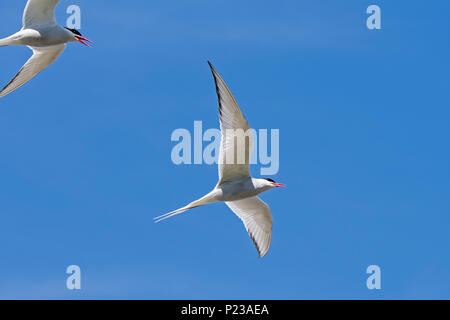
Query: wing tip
(261, 253)
(213, 70)
(211, 66)
(216, 84)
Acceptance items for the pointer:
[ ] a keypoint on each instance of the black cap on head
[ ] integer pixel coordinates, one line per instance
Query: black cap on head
(74, 31)
(270, 180)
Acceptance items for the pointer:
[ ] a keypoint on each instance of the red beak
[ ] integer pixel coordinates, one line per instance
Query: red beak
(83, 39)
(278, 185)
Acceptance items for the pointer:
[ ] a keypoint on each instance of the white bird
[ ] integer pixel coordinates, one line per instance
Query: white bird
(42, 34)
(236, 187)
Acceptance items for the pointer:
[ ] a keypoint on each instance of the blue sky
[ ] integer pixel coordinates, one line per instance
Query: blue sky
(363, 117)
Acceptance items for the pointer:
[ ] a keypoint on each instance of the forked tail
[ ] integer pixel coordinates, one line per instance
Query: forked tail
(4, 42)
(209, 198)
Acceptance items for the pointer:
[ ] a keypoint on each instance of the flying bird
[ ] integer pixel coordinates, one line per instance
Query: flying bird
(236, 187)
(42, 34)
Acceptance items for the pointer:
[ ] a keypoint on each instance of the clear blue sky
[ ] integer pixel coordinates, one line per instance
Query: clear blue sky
(364, 128)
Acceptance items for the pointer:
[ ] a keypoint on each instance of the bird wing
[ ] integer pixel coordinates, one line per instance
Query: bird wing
(39, 12)
(257, 219)
(42, 57)
(234, 146)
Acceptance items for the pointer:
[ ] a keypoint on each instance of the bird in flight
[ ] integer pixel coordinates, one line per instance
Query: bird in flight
(42, 34)
(236, 187)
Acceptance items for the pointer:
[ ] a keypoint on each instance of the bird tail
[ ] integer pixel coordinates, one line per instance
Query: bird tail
(209, 198)
(4, 42)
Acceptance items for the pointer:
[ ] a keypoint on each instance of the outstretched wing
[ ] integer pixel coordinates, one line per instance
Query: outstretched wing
(41, 59)
(39, 12)
(257, 219)
(237, 141)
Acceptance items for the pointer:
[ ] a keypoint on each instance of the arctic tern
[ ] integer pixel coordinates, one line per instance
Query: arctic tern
(236, 187)
(42, 34)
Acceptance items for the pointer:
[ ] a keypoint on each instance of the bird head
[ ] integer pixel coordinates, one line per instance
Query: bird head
(273, 184)
(78, 37)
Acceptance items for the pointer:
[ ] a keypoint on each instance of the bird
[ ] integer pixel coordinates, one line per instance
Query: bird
(236, 187)
(42, 34)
